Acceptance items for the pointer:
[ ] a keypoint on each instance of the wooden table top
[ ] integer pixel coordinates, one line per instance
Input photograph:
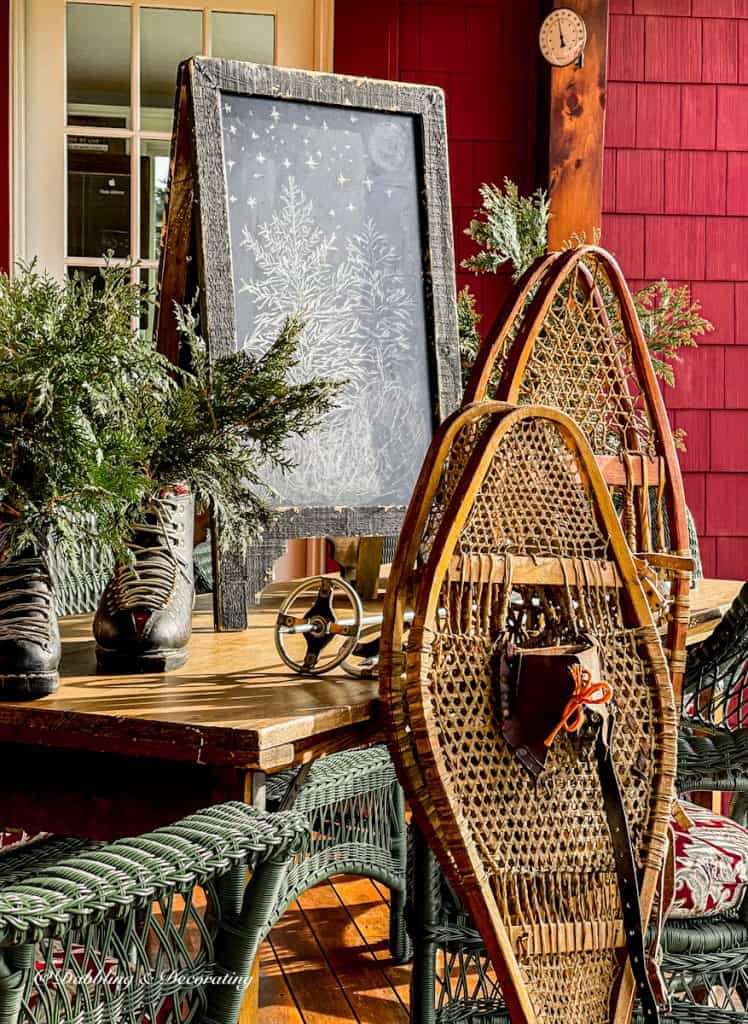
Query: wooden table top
(233, 703)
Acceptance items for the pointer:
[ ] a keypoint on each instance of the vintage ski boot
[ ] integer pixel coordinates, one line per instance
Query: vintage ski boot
(144, 617)
(29, 634)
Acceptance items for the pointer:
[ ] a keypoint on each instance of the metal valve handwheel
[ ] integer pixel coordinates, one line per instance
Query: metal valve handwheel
(310, 634)
(312, 639)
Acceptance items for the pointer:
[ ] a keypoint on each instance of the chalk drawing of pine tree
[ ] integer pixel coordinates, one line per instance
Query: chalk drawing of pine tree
(384, 306)
(359, 317)
(296, 270)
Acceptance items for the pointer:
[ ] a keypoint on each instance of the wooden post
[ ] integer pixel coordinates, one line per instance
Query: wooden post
(577, 131)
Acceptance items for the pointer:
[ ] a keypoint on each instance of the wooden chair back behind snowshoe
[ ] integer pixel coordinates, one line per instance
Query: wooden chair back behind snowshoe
(569, 337)
(528, 553)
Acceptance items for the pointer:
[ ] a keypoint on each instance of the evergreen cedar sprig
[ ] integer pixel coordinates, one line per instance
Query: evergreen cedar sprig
(468, 319)
(671, 320)
(513, 231)
(94, 422)
(228, 421)
(77, 392)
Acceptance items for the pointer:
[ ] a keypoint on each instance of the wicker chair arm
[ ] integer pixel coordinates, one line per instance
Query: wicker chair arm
(711, 760)
(108, 882)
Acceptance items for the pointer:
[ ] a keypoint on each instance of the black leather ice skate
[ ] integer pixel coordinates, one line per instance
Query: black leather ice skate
(144, 618)
(29, 634)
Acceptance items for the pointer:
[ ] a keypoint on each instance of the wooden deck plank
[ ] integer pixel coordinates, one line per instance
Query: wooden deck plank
(369, 912)
(309, 977)
(277, 1005)
(367, 988)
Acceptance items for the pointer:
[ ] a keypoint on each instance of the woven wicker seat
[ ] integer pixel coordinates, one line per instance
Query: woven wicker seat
(163, 927)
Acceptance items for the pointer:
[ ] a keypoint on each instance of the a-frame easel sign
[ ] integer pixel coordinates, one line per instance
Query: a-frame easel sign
(294, 192)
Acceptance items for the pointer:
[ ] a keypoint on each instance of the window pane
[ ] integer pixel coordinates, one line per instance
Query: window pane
(154, 178)
(243, 37)
(166, 37)
(87, 273)
(98, 65)
(98, 197)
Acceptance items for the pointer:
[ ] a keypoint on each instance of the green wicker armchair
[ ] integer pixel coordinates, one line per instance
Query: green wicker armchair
(356, 809)
(160, 929)
(352, 798)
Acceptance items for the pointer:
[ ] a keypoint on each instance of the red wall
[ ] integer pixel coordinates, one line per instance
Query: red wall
(477, 51)
(676, 205)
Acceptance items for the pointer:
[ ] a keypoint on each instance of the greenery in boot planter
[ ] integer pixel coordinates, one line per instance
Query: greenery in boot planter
(226, 420)
(94, 422)
(512, 231)
(77, 389)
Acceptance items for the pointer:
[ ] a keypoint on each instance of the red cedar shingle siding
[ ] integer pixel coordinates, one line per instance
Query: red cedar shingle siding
(678, 92)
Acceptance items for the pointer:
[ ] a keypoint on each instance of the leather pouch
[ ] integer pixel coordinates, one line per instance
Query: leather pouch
(544, 690)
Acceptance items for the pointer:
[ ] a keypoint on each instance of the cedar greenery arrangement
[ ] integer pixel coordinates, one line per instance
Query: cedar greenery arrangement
(227, 419)
(94, 423)
(77, 388)
(512, 230)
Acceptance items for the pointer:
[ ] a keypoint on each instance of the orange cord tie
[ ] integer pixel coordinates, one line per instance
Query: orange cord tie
(585, 692)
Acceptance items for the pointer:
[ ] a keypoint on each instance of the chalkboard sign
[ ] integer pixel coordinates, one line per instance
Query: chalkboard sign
(294, 192)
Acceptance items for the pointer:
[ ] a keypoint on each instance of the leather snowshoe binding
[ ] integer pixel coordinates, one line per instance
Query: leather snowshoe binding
(532, 719)
(29, 634)
(144, 617)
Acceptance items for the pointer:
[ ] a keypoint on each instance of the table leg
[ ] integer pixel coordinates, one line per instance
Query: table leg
(254, 790)
(254, 795)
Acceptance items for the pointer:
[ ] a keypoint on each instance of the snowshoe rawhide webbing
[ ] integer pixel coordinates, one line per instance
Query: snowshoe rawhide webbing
(548, 690)
(525, 548)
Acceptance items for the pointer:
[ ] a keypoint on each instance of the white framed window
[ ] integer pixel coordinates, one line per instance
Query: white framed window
(93, 96)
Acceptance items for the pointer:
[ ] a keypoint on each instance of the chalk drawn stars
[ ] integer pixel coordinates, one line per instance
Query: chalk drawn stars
(260, 158)
(368, 184)
(342, 180)
(275, 114)
(286, 163)
(232, 129)
(251, 201)
(311, 163)
(227, 108)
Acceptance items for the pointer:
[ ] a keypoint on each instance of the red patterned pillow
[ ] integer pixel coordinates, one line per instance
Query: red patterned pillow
(711, 864)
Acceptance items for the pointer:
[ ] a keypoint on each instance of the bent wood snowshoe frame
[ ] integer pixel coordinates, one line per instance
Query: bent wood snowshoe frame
(521, 541)
(568, 336)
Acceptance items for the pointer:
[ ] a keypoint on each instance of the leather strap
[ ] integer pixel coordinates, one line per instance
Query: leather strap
(625, 869)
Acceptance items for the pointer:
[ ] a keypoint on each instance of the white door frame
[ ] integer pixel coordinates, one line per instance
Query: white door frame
(304, 37)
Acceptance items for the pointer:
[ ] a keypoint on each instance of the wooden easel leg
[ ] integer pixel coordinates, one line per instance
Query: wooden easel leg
(368, 564)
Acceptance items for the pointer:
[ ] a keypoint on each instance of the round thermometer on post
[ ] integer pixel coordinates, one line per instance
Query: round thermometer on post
(563, 37)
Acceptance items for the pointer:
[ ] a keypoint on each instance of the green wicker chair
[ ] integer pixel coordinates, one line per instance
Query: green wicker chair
(356, 809)
(352, 798)
(162, 928)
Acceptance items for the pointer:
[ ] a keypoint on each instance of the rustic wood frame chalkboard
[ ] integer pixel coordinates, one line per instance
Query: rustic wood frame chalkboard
(197, 254)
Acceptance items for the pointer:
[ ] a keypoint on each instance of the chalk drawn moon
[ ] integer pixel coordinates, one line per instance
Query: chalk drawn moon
(388, 146)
